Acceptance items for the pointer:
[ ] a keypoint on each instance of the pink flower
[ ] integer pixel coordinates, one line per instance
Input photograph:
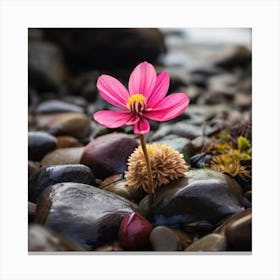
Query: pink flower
(145, 99)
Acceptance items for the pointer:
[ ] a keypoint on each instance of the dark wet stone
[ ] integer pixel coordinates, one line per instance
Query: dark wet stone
(89, 48)
(239, 234)
(39, 144)
(134, 232)
(41, 239)
(163, 238)
(196, 146)
(88, 215)
(31, 211)
(200, 160)
(57, 106)
(107, 155)
(203, 194)
(46, 69)
(57, 174)
(67, 142)
(117, 184)
(71, 124)
(63, 156)
(209, 243)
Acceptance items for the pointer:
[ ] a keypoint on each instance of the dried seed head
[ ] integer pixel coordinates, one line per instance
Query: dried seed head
(167, 164)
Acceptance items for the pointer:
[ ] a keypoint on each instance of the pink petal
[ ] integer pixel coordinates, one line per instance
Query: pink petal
(142, 126)
(160, 89)
(142, 79)
(112, 90)
(113, 119)
(169, 108)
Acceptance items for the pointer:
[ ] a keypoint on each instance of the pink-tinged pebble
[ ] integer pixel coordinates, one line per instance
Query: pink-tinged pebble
(134, 232)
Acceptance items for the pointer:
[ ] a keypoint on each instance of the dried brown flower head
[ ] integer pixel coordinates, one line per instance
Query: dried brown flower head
(167, 164)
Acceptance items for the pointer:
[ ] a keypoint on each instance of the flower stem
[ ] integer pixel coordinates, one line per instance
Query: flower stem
(149, 171)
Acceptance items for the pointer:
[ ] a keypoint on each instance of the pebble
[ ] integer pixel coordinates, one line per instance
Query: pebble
(200, 160)
(67, 142)
(57, 106)
(39, 144)
(107, 155)
(134, 232)
(203, 194)
(57, 174)
(163, 238)
(87, 214)
(72, 124)
(209, 243)
(41, 239)
(63, 156)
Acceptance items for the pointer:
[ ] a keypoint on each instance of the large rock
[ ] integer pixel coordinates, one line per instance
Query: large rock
(203, 194)
(63, 156)
(84, 213)
(107, 155)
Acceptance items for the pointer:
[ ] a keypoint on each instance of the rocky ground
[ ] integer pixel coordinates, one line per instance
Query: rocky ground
(78, 199)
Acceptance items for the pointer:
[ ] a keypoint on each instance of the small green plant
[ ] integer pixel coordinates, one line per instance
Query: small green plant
(231, 156)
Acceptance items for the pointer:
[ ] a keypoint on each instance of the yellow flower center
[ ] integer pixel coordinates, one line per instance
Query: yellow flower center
(136, 103)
